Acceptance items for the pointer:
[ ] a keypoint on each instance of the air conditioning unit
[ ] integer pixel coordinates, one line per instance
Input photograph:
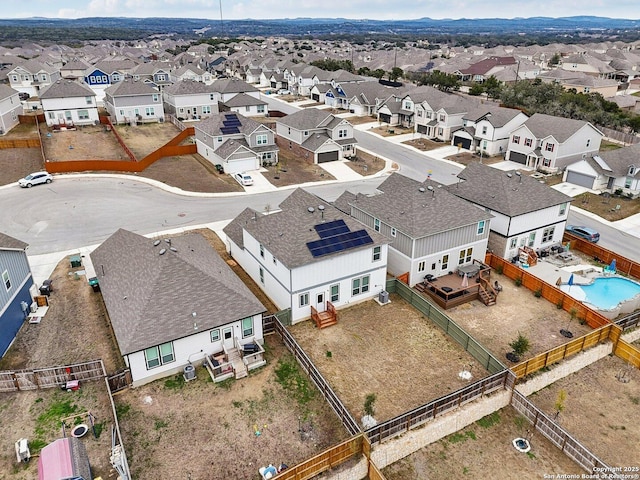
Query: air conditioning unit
(34, 307)
(383, 297)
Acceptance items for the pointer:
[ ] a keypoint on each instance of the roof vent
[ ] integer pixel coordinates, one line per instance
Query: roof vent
(519, 176)
(162, 252)
(421, 189)
(320, 207)
(168, 240)
(509, 175)
(311, 209)
(173, 249)
(156, 243)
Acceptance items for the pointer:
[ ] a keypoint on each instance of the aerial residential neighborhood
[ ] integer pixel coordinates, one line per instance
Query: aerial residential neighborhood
(271, 255)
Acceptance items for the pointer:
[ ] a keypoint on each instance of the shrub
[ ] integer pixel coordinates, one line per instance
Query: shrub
(499, 269)
(518, 281)
(369, 404)
(538, 293)
(520, 345)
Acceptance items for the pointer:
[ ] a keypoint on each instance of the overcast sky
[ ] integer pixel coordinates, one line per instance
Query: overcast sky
(370, 9)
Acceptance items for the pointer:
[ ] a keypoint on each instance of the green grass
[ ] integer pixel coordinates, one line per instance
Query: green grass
(293, 381)
(490, 420)
(607, 146)
(175, 383)
(122, 410)
(50, 421)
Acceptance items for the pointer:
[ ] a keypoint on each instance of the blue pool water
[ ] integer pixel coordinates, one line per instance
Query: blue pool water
(607, 293)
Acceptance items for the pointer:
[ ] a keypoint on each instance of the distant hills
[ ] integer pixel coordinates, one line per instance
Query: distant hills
(107, 27)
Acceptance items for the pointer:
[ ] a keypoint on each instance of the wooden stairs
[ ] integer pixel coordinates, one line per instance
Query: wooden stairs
(487, 297)
(325, 319)
(235, 359)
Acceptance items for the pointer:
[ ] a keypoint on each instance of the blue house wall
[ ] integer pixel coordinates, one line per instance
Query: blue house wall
(12, 317)
(97, 77)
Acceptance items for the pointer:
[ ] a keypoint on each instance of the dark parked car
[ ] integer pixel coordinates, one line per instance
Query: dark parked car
(584, 232)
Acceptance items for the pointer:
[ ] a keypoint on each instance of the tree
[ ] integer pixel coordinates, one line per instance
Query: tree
(555, 60)
(493, 87)
(443, 81)
(520, 346)
(378, 73)
(476, 89)
(396, 72)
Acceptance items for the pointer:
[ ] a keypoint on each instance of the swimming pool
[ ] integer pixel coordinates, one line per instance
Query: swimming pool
(606, 293)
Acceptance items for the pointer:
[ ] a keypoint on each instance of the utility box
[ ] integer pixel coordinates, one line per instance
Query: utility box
(383, 296)
(76, 261)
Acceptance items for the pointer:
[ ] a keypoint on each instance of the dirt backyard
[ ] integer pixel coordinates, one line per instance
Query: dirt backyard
(517, 311)
(600, 410)
(391, 351)
(145, 138)
(484, 450)
(91, 142)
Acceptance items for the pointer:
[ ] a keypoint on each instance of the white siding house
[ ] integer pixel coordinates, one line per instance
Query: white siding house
(279, 253)
(10, 108)
(133, 102)
(190, 100)
(69, 102)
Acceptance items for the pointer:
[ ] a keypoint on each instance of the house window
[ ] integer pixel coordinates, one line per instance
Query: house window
(105, 79)
(305, 133)
(546, 162)
(261, 275)
(588, 142)
(484, 130)
(445, 262)
(115, 77)
(206, 109)
(359, 285)
(14, 78)
(377, 253)
(261, 139)
(421, 266)
(335, 293)
(465, 256)
(215, 335)
(547, 234)
(513, 243)
(442, 118)
(427, 114)
(376, 224)
(342, 133)
(121, 112)
(303, 299)
(247, 108)
(219, 139)
(441, 131)
(393, 231)
(89, 100)
(6, 280)
(532, 239)
(419, 113)
(266, 156)
(406, 105)
(68, 116)
(481, 226)
(160, 355)
(161, 77)
(563, 209)
(262, 250)
(43, 77)
(155, 98)
(528, 142)
(516, 139)
(52, 116)
(549, 147)
(83, 114)
(275, 262)
(627, 182)
(260, 108)
(247, 327)
(149, 111)
(181, 110)
(212, 96)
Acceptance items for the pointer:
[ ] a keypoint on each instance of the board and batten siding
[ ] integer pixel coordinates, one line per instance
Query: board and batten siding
(450, 239)
(400, 242)
(539, 218)
(16, 264)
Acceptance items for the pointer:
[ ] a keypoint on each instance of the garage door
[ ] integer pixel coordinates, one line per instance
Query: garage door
(315, 97)
(581, 179)
(385, 118)
(466, 142)
(518, 157)
(327, 157)
(241, 165)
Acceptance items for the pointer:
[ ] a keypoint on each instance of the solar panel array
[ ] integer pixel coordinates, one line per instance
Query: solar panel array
(227, 130)
(330, 229)
(231, 124)
(338, 243)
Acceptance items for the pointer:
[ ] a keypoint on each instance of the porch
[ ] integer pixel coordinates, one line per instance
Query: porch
(327, 318)
(235, 362)
(469, 282)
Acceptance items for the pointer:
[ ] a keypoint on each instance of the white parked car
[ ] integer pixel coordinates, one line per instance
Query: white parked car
(35, 179)
(284, 91)
(243, 178)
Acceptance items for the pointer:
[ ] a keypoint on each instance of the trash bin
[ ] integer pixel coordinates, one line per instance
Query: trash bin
(76, 261)
(93, 282)
(46, 288)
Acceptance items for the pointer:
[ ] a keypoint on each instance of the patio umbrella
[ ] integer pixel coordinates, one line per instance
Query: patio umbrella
(559, 282)
(612, 267)
(465, 281)
(570, 282)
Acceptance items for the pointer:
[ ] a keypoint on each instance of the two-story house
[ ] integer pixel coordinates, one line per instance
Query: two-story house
(74, 69)
(10, 108)
(236, 142)
(103, 74)
(156, 74)
(230, 87)
(549, 143)
(309, 254)
(191, 72)
(16, 281)
(487, 129)
(69, 102)
(190, 100)
(432, 232)
(526, 213)
(363, 98)
(246, 105)
(129, 101)
(316, 135)
(32, 76)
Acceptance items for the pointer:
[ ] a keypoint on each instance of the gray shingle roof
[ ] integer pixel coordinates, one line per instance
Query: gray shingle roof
(510, 195)
(150, 297)
(620, 160)
(315, 141)
(496, 116)
(309, 119)
(232, 85)
(6, 91)
(212, 125)
(188, 87)
(10, 243)
(417, 213)
(67, 89)
(243, 100)
(130, 88)
(285, 233)
(542, 125)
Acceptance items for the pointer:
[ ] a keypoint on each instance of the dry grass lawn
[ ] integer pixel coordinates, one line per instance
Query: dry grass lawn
(145, 138)
(91, 142)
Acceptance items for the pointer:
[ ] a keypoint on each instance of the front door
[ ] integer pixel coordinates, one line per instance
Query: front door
(227, 337)
(320, 302)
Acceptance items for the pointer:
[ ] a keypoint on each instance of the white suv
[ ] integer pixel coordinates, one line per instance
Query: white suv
(35, 179)
(243, 178)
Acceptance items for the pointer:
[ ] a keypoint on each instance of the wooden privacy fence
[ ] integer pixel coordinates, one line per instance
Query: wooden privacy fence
(437, 316)
(169, 149)
(11, 381)
(629, 321)
(119, 381)
(556, 434)
(577, 345)
(623, 264)
(549, 292)
(20, 143)
(321, 384)
(107, 121)
(628, 353)
(419, 416)
(31, 119)
(324, 461)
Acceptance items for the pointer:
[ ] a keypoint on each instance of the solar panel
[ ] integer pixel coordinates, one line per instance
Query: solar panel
(227, 130)
(338, 243)
(330, 229)
(231, 116)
